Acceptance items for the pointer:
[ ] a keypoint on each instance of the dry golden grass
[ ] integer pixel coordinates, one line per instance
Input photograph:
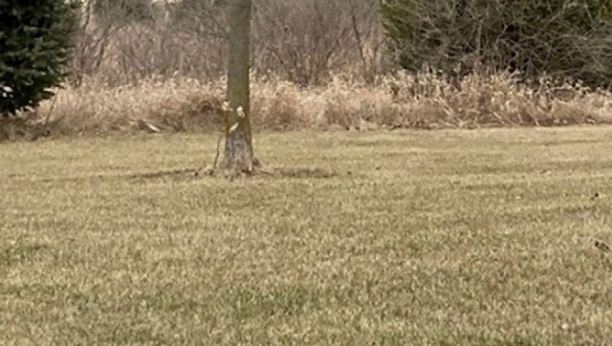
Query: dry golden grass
(405, 101)
(444, 238)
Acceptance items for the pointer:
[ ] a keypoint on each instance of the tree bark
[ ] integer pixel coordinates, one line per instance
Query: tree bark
(238, 144)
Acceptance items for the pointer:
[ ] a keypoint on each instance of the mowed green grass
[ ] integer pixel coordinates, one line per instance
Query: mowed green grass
(443, 238)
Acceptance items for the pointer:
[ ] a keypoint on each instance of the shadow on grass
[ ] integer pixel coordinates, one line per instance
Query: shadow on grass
(17, 253)
(173, 174)
(190, 173)
(273, 172)
(161, 174)
(301, 173)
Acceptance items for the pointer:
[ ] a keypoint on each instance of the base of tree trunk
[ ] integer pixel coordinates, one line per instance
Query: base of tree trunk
(239, 156)
(233, 171)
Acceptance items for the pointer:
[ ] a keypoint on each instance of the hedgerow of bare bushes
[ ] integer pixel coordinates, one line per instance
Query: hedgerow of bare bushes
(562, 38)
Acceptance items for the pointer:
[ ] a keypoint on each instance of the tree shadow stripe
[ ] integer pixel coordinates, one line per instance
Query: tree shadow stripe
(187, 172)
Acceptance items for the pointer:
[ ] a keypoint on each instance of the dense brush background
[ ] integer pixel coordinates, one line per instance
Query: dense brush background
(324, 64)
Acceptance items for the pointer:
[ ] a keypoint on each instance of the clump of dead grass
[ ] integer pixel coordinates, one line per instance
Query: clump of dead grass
(496, 100)
(393, 101)
(173, 104)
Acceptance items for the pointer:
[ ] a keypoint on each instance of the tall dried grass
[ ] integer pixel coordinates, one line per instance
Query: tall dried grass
(394, 101)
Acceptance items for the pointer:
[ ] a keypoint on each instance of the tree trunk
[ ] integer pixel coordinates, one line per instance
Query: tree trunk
(238, 145)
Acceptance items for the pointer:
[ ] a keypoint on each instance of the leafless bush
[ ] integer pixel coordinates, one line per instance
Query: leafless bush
(565, 39)
(91, 43)
(308, 40)
(303, 41)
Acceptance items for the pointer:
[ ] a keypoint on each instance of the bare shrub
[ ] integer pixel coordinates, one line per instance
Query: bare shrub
(561, 38)
(301, 41)
(307, 40)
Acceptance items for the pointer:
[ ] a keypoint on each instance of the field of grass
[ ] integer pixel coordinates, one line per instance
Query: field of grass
(444, 238)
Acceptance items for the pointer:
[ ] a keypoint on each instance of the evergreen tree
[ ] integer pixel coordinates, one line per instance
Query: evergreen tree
(35, 44)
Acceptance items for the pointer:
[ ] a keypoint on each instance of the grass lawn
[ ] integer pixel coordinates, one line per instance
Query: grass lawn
(443, 238)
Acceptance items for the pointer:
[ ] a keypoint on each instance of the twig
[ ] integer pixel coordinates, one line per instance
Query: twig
(218, 151)
(214, 166)
(50, 111)
(40, 132)
(602, 246)
(359, 40)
